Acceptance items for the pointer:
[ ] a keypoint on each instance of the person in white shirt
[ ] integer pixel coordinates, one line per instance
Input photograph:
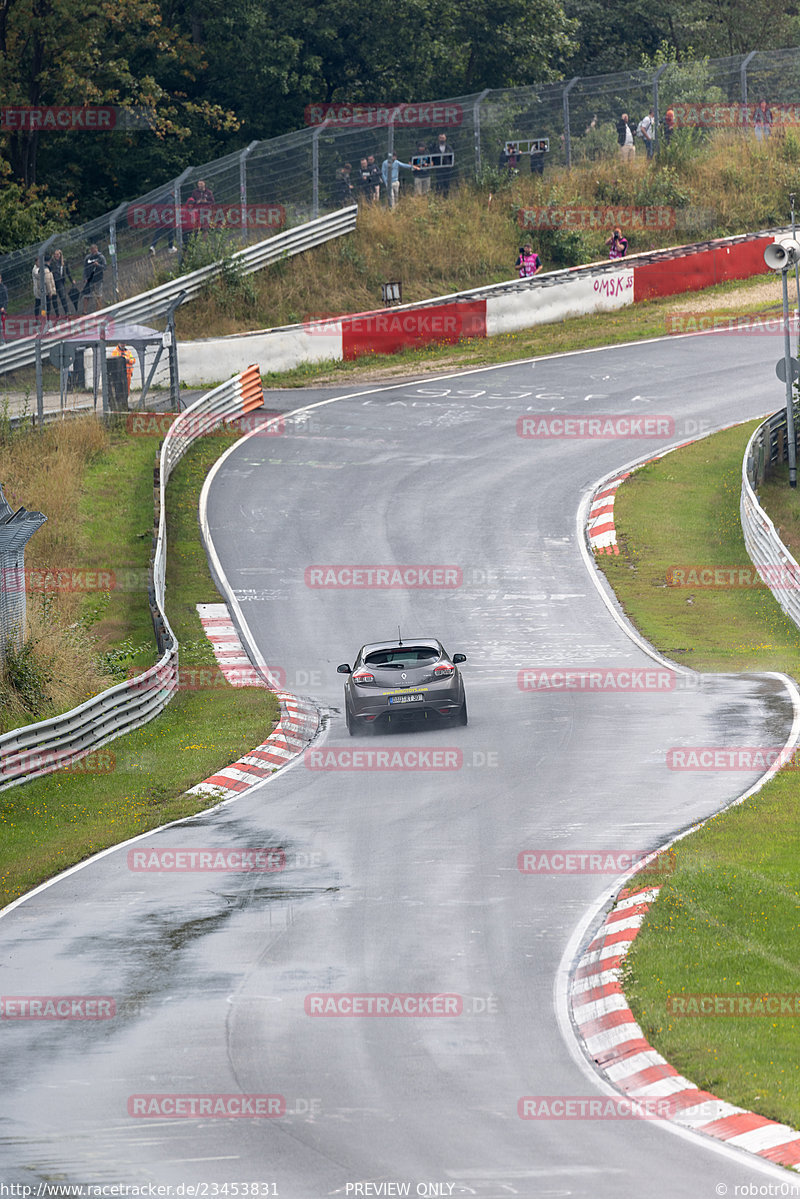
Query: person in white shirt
(646, 130)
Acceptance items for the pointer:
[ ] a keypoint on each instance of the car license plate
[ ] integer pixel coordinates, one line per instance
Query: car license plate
(406, 699)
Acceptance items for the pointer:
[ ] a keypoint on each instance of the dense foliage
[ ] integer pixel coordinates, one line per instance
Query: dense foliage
(211, 77)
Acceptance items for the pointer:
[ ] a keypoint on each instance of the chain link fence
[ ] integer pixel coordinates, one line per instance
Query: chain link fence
(273, 185)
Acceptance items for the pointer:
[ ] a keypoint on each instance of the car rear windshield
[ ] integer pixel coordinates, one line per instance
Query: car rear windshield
(411, 655)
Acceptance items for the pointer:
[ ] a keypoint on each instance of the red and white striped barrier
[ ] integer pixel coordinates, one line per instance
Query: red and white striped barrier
(482, 312)
(295, 730)
(622, 1053)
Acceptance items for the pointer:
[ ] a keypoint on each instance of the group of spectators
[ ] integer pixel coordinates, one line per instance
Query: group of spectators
(201, 197)
(370, 183)
(50, 292)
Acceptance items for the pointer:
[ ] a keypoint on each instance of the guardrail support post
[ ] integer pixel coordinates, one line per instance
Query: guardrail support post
(567, 138)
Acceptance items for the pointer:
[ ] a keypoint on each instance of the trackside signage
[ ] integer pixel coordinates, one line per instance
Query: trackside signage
(342, 115)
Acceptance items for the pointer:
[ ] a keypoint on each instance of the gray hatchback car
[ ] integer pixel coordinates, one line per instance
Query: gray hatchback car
(394, 682)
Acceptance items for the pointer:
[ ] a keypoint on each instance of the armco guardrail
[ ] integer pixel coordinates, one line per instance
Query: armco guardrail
(769, 555)
(38, 749)
(141, 308)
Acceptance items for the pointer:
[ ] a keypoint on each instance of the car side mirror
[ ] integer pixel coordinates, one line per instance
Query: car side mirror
(459, 658)
(343, 669)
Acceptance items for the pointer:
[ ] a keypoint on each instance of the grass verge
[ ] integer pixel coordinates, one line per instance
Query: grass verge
(139, 781)
(725, 922)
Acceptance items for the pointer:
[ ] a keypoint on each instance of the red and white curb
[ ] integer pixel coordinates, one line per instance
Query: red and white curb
(296, 729)
(600, 525)
(619, 1049)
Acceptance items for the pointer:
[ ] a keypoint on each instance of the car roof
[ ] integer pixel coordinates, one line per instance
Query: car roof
(406, 643)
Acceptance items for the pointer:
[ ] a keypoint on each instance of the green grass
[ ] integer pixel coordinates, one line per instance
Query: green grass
(727, 919)
(141, 778)
(683, 511)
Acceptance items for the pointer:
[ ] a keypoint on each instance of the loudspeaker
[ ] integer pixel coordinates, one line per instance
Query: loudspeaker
(782, 254)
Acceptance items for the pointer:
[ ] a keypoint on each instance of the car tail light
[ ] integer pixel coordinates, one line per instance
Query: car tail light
(444, 670)
(363, 678)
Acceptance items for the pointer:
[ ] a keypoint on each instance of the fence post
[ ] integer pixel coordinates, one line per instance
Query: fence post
(567, 138)
(243, 186)
(16, 530)
(656, 78)
(176, 194)
(476, 128)
(743, 74)
(315, 168)
(112, 247)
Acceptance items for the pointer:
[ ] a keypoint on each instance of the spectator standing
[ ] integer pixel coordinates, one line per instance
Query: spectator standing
(627, 149)
(537, 161)
(43, 290)
(618, 245)
(94, 264)
(197, 209)
(3, 306)
(762, 121)
(509, 161)
(344, 187)
(61, 273)
(422, 179)
(364, 182)
(444, 175)
(375, 176)
(528, 263)
(669, 124)
(165, 203)
(646, 129)
(390, 173)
